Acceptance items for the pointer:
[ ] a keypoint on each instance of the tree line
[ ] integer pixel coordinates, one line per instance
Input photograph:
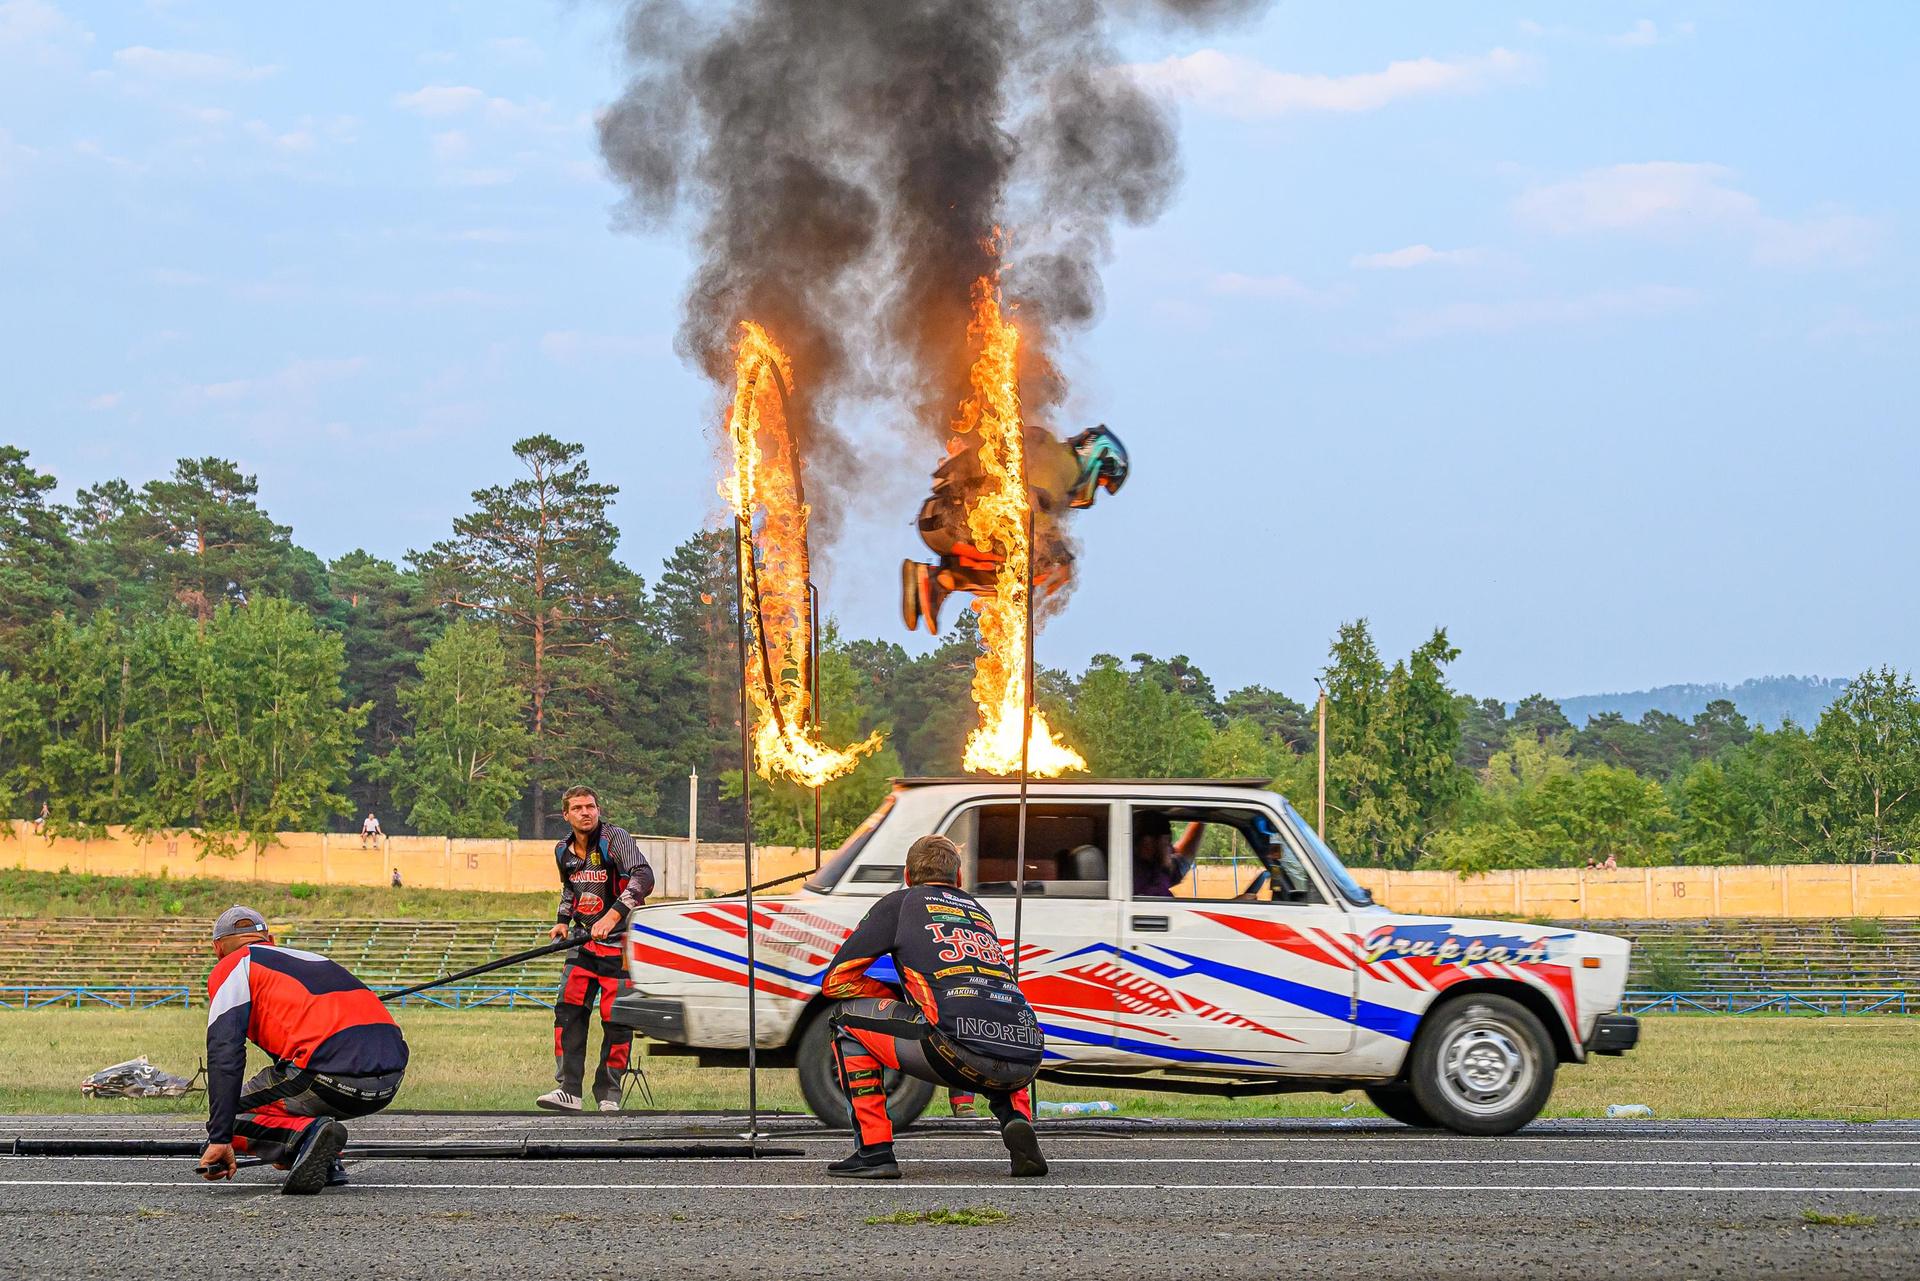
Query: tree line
(171, 658)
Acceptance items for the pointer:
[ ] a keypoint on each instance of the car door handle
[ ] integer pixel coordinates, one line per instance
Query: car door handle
(1156, 923)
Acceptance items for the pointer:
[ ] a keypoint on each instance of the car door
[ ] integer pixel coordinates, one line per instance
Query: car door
(1069, 927)
(1212, 977)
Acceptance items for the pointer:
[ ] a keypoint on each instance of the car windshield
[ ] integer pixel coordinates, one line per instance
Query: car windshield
(823, 881)
(1329, 862)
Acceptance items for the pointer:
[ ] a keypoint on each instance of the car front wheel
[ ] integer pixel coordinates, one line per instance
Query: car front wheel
(1481, 1064)
(907, 1096)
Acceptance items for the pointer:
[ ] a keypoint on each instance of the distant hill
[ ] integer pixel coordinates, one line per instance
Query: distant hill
(1765, 700)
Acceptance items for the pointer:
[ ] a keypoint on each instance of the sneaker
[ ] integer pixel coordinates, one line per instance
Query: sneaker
(558, 1101)
(962, 1105)
(313, 1158)
(867, 1163)
(1024, 1147)
(337, 1174)
(609, 1105)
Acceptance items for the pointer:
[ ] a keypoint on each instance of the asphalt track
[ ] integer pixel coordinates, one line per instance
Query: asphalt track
(1265, 1199)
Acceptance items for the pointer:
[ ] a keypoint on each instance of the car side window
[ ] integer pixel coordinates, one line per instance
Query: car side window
(1216, 854)
(1068, 855)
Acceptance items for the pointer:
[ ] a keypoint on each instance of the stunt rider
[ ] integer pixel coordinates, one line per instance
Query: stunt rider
(961, 1022)
(603, 877)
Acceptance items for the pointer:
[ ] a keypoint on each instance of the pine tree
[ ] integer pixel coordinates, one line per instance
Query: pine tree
(459, 771)
(536, 558)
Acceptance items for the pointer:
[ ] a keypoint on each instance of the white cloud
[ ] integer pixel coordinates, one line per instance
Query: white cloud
(1643, 34)
(1234, 284)
(186, 64)
(13, 155)
(298, 379)
(443, 102)
(293, 140)
(1647, 32)
(105, 401)
(36, 30)
(1413, 256)
(574, 346)
(1242, 87)
(1678, 199)
(516, 49)
(1533, 313)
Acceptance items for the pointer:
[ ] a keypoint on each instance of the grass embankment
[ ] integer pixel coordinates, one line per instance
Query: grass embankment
(1855, 1069)
(44, 895)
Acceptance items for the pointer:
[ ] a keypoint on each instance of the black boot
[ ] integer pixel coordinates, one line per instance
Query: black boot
(313, 1158)
(337, 1174)
(867, 1163)
(1023, 1146)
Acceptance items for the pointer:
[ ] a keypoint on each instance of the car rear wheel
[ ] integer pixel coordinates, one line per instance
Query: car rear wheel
(1398, 1103)
(1481, 1064)
(907, 1096)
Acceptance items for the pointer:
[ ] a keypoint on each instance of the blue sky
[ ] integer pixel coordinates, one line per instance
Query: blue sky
(1587, 333)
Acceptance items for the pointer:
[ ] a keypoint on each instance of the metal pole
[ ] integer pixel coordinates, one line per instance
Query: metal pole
(813, 703)
(1321, 824)
(1026, 742)
(741, 550)
(693, 834)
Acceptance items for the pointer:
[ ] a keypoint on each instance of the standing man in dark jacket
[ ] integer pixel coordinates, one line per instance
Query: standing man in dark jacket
(963, 1022)
(603, 877)
(336, 1053)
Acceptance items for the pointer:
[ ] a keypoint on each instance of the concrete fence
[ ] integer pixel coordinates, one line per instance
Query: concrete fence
(1804, 890)
(426, 862)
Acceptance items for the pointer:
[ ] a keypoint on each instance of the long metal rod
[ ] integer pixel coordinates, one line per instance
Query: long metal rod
(1026, 743)
(405, 1150)
(1320, 814)
(545, 949)
(741, 552)
(813, 702)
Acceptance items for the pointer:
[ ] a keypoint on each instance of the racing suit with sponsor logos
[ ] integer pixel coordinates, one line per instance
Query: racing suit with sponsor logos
(960, 1021)
(614, 876)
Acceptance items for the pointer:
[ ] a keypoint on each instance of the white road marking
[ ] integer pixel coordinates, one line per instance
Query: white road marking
(1033, 1185)
(1240, 1160)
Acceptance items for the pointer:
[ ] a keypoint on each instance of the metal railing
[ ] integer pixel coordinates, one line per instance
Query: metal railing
(1802, 1001)
(116, 996)
(120, 996)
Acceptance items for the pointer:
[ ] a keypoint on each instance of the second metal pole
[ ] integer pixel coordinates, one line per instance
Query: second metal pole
(741, 550)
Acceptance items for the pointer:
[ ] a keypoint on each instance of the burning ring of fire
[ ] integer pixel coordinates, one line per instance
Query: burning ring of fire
(1000, 520)
(770, 522)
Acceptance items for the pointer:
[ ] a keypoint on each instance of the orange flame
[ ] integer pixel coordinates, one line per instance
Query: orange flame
(998, 520)
(765, 486)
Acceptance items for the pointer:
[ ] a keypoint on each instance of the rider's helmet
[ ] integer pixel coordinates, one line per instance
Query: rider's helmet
(1103, 465)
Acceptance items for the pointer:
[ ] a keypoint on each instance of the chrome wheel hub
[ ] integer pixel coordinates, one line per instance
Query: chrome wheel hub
(1486, 1064)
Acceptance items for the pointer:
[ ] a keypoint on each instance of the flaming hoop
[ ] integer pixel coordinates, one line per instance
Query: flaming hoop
(1001, 520)
(777, 616)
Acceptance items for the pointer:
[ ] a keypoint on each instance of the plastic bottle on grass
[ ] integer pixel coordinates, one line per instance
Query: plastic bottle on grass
(1629, 1110)
(1094, 1108)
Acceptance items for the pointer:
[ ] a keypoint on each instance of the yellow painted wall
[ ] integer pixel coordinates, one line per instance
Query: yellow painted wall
(485, 866)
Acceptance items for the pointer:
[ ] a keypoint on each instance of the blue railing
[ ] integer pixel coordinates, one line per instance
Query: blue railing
(460, 996)
(1802, 1001)
(114, 996)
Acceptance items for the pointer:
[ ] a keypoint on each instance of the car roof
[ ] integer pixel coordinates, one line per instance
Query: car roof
(1079, 780)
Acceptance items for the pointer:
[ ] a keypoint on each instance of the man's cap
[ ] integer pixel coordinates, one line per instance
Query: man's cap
(238, 920)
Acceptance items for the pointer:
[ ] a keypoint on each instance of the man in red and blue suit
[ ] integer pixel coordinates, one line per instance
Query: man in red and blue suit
(337, 1054)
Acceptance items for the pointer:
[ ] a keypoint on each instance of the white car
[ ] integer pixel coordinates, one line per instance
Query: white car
(1268, 970)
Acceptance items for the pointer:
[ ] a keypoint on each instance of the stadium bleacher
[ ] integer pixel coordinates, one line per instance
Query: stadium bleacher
(1734, 955)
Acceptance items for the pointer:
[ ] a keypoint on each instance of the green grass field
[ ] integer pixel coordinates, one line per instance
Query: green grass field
(45, 895)
(1856, 1069)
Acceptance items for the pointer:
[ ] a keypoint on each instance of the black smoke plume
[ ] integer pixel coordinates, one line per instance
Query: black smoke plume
(849, 168)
